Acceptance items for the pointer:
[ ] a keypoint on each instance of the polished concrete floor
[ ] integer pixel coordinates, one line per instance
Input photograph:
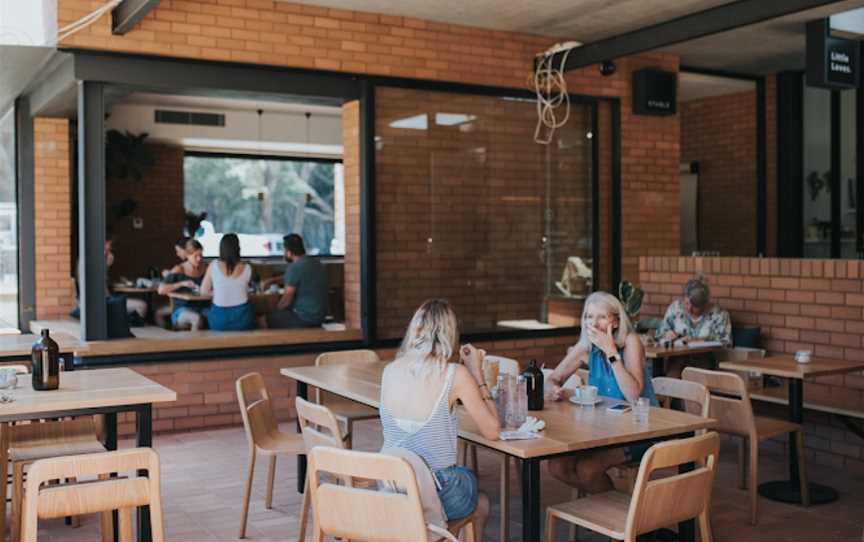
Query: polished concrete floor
(203, 473)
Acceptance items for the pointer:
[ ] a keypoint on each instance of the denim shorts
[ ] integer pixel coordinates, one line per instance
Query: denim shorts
(457, 488)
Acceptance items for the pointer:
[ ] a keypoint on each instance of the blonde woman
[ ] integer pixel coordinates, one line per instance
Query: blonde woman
(615, 359)
(418, 393)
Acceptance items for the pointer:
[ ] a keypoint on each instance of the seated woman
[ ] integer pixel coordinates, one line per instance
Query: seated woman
(180, 252)
(695, 317)
(189, 275)
(419, 391)
(615, 360)
(228, 279)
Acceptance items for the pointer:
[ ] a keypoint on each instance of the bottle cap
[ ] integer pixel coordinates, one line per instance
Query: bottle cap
(45, 332)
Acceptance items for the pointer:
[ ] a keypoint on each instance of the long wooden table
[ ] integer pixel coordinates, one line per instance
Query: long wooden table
(18, 347)
(787, 367)
(97, 391)
(569, 429)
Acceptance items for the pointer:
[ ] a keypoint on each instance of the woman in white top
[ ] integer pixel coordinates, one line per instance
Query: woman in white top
(418, 393)
(228, 279)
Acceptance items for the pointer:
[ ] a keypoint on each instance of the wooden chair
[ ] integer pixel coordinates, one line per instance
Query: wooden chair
(342, 511)
(730, 406)
(104, 495)
(655, 503)
(345, 410)
(263, 434)
(319, 427)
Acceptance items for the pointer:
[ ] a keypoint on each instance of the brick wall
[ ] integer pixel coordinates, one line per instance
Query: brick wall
(799, 305)
(771, 165)
(160, 204)
(719, 132)
(55, 293)
(351, 174)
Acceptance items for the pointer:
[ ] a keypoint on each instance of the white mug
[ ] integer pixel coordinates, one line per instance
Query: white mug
(803, 356)
(585, 394)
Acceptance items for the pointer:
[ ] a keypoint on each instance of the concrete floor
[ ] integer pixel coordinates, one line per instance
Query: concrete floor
(203, 473)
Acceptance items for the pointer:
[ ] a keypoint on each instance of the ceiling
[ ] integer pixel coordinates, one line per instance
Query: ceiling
(582, 20)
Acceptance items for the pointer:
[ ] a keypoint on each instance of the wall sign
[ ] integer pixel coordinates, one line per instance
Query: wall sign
(832, 63)
(655, 92)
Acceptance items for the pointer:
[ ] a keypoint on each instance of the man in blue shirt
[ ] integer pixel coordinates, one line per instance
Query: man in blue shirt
(305, 299)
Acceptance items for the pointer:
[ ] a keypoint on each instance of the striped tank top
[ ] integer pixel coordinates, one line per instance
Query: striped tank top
(433, 439)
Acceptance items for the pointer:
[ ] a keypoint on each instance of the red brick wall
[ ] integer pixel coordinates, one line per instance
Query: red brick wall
(55, 293)
(798, 304)
(351, 173)
(160, 204)
(719, 132)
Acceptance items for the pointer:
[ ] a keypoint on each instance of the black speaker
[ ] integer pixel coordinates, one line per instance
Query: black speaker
(655, 92)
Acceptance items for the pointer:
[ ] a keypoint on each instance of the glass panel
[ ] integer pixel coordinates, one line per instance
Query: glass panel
(848, 174)
(8, 224)
(470, 209)
(262, 199)
(817, 173)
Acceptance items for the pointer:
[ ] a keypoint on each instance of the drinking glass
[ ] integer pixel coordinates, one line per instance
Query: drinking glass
(641, 410)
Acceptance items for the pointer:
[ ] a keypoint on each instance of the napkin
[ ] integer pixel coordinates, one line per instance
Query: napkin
(528, 430)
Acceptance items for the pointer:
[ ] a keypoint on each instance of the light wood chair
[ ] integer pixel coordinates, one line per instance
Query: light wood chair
(319, 427)
(345, 410)
(655, 503)
(730, 406)
(104, 495)
(342, 511)
(264, 436)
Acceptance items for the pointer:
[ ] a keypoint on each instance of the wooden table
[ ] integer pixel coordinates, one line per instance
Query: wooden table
(786, 367)
(189, 296)
(18, 347)
(658, 355)
(569, 429)
(121, 289)
(97, 391)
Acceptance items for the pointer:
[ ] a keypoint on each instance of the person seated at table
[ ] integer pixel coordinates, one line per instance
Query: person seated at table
(305, 298)
(419, 391)
(694, 317)
(188, 275)
(136, 308)
(228, 280)
(611, 350)
(180, 252)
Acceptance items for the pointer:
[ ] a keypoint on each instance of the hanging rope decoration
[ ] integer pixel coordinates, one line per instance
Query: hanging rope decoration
(553, 101)
(87, 20)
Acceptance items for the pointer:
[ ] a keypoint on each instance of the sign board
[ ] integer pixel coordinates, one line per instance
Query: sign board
(655, 92)
(832, 62)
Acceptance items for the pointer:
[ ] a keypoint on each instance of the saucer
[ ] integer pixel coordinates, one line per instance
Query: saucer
(579, 402)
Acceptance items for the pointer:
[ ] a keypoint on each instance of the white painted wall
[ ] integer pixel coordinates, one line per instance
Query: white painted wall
(28, 22)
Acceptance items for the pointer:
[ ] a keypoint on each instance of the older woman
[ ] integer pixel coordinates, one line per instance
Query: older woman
(419, 391)
(695, 317)
(615, 359)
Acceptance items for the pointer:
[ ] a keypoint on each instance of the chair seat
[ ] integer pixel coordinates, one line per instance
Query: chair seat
(771, 427)
(281, 443)
(24, 451)
(347, 410)
(604, 513)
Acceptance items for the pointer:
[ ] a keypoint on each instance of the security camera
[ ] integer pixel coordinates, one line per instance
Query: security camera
(607, 67)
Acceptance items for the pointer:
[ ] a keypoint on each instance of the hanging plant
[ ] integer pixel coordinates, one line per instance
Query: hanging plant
(126, 156)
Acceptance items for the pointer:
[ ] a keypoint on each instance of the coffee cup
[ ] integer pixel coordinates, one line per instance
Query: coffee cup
(586, 394)
(8, 377)
(803, 356)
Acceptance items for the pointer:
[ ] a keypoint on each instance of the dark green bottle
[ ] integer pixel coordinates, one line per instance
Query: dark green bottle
(45, 357)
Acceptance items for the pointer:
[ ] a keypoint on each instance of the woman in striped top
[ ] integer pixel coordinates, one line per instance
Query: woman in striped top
(418, 393)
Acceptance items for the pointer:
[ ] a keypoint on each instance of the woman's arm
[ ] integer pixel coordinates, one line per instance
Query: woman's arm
(574, 359)
(629, 372)
(207, 283)
(469, 387)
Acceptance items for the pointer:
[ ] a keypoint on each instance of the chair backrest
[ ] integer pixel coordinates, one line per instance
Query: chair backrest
(730, 400)
(355, 513)
(318, 425)
(343, 357)
(695, 396)
(671, 499)
(90, 497)
(256, 408)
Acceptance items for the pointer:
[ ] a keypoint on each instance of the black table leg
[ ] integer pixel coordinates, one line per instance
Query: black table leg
(658, 367)
(302, 392)
(144, 439)
(111, 445)
(687, 529)
(531, 500)
(789, 491)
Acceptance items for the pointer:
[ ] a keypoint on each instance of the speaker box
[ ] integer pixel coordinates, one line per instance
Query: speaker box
(655, 92)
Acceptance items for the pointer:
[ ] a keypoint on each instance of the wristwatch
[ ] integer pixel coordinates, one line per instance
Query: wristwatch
(613, 359)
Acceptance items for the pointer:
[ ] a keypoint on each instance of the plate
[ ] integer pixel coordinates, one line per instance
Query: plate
(576, 401)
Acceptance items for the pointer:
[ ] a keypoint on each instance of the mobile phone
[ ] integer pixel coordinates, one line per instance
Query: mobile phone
(620, 408)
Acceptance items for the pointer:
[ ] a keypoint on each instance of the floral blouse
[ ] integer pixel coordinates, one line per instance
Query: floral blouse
(713, 325)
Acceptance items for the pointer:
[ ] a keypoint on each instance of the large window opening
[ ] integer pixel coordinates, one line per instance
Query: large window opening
(8, 223)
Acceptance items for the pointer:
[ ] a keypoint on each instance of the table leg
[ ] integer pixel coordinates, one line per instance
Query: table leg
(658, 367)
(302, 392)
(531, 531)
(111, 445)
(144, 439)
(687, 529)
(789, 491)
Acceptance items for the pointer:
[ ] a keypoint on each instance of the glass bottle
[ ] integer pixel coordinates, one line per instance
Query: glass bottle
(45, 357)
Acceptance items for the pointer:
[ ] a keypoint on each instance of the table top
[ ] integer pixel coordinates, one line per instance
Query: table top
(119, 288)
(21, 345)
(653, 352)
(84, 389)
(569, 427)
(787, 367)
(189, 296)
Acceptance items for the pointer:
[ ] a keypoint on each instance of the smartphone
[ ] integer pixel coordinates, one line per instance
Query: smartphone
(620, 408)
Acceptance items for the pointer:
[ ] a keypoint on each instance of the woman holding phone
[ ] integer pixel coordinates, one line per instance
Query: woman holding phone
(419, 391)
(615, 359)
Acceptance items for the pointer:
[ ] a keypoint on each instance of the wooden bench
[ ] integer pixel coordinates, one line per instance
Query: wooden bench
(152, 339)
(779, 396)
